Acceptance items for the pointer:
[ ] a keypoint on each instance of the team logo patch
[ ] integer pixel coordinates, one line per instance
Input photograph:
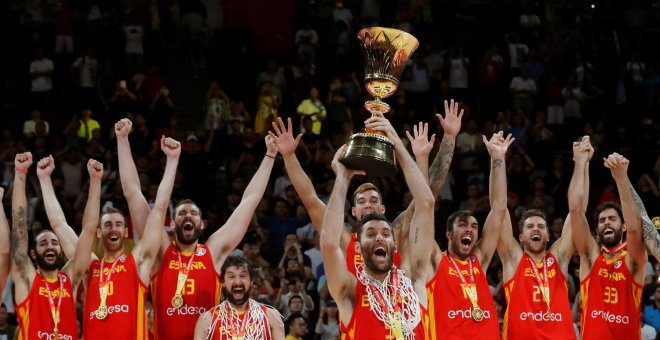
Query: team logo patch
(122, 259)
(200, 252)
(617, 264)
(473, 258)
(550, 261)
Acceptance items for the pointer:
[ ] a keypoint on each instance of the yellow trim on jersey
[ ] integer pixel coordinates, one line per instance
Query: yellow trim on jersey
(141, 315)
(431, 324)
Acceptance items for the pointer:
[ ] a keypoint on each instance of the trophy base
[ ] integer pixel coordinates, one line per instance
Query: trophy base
(370, 152)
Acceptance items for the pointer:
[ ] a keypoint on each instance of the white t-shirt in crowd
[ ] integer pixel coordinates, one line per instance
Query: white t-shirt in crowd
(134, 35)
(458, 73)
(42, 83)
(87, 67)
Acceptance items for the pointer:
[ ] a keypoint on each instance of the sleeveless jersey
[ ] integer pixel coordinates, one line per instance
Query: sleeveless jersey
(224, 332)
(200, 293)
(127, 316)
(527, 314)
(35, 319)
(353, 258)
(610, 301)
(450, 309)
(365, 325)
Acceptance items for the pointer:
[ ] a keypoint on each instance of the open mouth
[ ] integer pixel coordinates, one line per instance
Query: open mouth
(114, 238)
(380, 252)
(50, 256)
(608, 232)
(466, 241)
(536, 238)
(238, 292)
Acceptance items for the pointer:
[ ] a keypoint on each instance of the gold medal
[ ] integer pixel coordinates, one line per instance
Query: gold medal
(477, 314)
(236, 337)
(397, 325)
(101, 312)
(177, 301)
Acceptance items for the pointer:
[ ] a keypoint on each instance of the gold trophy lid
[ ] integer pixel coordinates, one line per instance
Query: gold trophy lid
(386, 52)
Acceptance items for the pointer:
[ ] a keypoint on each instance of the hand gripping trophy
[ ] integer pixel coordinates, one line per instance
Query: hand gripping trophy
(386, 52)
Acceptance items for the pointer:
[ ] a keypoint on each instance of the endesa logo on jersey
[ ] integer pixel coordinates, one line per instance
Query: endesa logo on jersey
(541, 316)
(610, 317)
(186, 310)
(52, 336)
(111, 310)
(465, 314)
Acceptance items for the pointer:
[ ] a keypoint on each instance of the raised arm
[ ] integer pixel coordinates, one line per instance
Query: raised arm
(22, 270)
(78, 264)
(341, 283)
(146, 250)
(563, 248)
(649, 232)
(4, 244)
(68, 237)
(130, 181)
(618, 165)
(497, 147)
(584, 243)
(225, 239)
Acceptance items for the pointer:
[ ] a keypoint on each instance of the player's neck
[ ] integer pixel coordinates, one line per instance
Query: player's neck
(536, 257)
(380, 277)
(49, 274)
(111, 255)
(242, 307)
(186, 248)
(451, 253)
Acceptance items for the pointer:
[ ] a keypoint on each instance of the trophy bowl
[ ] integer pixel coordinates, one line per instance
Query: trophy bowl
(386, 52)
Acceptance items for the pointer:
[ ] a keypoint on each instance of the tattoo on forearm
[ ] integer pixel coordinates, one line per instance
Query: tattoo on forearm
(416, 235)
(649, 233)
(497, 163)
(19, 237)
(441, 163)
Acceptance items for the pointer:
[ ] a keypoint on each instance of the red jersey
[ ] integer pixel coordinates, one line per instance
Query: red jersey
(527, 314)
(257, 328)
(610, 301)
(450, 309)
(353, 258)
(365, 325)
(35, 319)
(127, 316)
(200, 293)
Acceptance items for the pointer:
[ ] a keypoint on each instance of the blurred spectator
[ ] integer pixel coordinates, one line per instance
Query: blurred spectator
(7, 331)
(84, 71)
(458, 65)
(160, 112)
(64, 21)
(134, 47)
(312, 107)
(30, 125)
(196, 30)
(523, 89)
(296, 325)
(292, 285)
(307, 42)
(327, 327)
(267, 105)
(41, 71)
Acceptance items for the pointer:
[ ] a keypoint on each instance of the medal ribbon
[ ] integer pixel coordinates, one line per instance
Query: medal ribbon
(615, 250)
(103, 285)
(54, 311)
(544, 285)
(183, 273)
(470, 290)
(238, 334)
(396, 323)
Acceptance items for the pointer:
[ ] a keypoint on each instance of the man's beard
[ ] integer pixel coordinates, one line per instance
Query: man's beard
(230, 296)
(383, 269)
(188, 240)
(615, 241)
(43, 264)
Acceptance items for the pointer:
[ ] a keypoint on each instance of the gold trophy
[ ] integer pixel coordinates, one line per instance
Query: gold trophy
(386, 52)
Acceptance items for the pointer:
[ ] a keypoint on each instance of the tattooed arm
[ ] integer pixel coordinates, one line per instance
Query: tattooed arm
(4, 244)
(22, 270)
(649, 233)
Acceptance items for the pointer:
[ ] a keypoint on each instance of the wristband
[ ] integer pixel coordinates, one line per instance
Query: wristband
(21, 170)
(267, 155)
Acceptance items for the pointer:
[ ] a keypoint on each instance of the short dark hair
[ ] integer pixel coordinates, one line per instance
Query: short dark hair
(295, 297)
(608, 205)
(368, 218)
(188, 201)
(108, 211)
(234, 261)
(366, 187)
(42, 231)
(461, 215)
(530, 213)
(293, 318)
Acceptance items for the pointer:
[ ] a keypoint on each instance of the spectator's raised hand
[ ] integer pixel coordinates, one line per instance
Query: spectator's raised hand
(170, 147)
(45, 166)
(421, 145)
(451, 123)
(283, 137)
(123, 128)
